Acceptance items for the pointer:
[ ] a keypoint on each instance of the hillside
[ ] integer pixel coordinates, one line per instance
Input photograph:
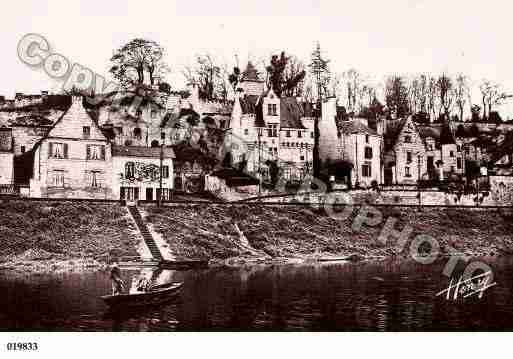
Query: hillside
(208, 231)
(65, 229)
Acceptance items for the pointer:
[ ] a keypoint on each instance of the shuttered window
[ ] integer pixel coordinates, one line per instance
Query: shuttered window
(58, 150)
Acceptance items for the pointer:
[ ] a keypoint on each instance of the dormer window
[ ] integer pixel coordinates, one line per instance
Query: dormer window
(86, 131)
(366, 138)
(407, 139)
(271, 109)
(299, 134)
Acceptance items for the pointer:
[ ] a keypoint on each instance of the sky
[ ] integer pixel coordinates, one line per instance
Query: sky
(376, 37)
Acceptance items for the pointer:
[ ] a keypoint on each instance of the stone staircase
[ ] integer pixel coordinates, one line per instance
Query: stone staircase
(143, 229)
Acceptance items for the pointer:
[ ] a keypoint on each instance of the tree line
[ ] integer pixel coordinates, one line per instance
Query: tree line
(425, 96)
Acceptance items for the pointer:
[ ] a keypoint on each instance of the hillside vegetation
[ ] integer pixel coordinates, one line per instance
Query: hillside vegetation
(208, 231)
(65, 229)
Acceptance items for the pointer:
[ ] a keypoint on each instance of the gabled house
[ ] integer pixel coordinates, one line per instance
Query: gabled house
(404, 153)
(350, 151)
(73, 160)
(265, 128)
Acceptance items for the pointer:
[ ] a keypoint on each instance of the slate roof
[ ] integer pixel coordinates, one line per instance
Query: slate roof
(446, 135)
(250, 73)
(349, 127)
(290, 113)
(235, 177)
(393, 129)
(142, 151)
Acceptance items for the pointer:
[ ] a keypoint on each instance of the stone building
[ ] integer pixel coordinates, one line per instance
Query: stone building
(404, 152)
(6, 156)
(266, 128)
(349, 150)
(74, 159)
(136, 173)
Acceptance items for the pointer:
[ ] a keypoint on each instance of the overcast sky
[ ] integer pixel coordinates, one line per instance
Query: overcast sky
(376, 37)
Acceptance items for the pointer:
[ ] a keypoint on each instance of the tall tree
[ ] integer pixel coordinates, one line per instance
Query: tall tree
(461, 93)
(285, 75)
(396, 95)
(132, 61)
(444, 85)
(492, 95)
(209, 76)
(320, 72)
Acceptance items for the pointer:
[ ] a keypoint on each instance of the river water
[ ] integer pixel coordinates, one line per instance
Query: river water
(384, 296)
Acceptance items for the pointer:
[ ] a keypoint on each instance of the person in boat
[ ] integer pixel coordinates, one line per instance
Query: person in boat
(118, 285)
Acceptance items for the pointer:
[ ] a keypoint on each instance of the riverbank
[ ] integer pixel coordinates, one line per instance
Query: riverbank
(64, 236)
(307, 234)
(49, 236)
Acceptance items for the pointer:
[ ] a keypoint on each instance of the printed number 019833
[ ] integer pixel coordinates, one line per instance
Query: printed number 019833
(22, 346)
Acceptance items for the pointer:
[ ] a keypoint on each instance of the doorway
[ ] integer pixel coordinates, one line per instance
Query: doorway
(149, 194)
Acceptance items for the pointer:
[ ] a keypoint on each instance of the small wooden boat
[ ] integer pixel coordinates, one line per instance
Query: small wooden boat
(158, 294)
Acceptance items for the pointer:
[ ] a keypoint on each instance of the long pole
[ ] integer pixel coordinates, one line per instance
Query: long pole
(159, 196)
(259, 164)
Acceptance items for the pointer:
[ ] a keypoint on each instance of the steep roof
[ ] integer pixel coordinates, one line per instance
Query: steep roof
(353, 126)
(393, 129)
(446, 135)
(290, 113)
(141, 151)
(429, 131)
(250, 73)
(251, 104)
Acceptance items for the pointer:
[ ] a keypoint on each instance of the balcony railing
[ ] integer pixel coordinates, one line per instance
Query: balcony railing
(9, 190)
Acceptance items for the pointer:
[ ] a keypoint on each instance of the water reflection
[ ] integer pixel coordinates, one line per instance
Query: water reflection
(366, 296)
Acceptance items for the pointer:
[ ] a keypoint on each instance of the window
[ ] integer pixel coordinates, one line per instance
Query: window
(58, 150)
(467, 151)
(272, 130)
(129, 170)
(430, 147)
(95, 152)
(271, 109)
(94, 179)
(366, 170)
(86, 131)
(407, 172)
(299, 134)
(301, 158)
(407, 139)
(22, 149)
(165, 171)
(137, 132)
(153, 114)
(246, 131)
(118, 130)
(458, 163)
(58, 178)
(366, 138)
(458, 148)
(451, 153)
(287, 133)
(162, 135)
(368, 153)
(452, 169)
(311, 134)
(408, 157)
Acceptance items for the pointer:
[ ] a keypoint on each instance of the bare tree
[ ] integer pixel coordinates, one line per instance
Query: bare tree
(210, 77)
(461, 91)
(396, 95)
(492, 94)
(445, 93)
(139, 56)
